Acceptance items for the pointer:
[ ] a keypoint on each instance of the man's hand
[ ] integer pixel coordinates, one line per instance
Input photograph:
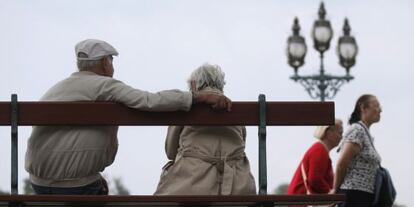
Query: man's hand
(216, 100)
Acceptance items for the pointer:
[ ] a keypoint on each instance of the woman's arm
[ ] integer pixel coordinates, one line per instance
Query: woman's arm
(244, 133)
(172, 141)
(319, 164)
(349, 151)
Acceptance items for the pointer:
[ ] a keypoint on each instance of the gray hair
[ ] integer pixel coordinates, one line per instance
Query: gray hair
(207, 75)
(88, 64)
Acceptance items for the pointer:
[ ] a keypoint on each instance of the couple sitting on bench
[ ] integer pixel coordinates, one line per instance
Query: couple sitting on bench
(67, 160)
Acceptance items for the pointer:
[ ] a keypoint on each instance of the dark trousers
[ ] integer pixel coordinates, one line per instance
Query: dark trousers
(356, 198)
(98, 187)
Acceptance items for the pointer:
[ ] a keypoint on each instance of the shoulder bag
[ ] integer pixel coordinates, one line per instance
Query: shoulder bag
(384, 190)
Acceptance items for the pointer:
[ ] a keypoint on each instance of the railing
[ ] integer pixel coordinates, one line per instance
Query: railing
(259, 114)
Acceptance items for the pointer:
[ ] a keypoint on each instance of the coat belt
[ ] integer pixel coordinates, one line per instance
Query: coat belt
(225, 171)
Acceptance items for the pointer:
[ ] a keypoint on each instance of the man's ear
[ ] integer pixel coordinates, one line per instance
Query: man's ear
(106, 62)
(106, 66)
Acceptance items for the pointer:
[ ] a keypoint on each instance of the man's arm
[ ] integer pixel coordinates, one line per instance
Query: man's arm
(169, 100)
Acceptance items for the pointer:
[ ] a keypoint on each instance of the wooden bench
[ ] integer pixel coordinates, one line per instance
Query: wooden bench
(259, 114)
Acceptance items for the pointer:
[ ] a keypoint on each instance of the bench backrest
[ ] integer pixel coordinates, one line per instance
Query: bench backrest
(259, 114)
(106, 113)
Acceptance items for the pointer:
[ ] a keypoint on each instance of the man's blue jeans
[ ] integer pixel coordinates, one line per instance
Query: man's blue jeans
(98, 187)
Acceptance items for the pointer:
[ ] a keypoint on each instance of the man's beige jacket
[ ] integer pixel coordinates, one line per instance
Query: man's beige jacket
(72, 156)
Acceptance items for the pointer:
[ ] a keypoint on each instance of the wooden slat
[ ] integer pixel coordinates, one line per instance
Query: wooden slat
(234, 200)
(104, 113)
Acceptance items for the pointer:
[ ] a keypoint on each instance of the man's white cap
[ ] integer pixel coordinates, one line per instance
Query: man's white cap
(320, 131)
(92, 49)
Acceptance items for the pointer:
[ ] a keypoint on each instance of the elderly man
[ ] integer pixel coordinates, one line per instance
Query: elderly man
(68, 160)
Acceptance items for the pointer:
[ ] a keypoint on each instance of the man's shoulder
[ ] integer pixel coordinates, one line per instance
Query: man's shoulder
(90, 78)
(79, 86)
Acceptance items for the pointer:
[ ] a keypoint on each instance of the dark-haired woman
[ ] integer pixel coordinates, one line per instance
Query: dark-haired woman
(359, 161)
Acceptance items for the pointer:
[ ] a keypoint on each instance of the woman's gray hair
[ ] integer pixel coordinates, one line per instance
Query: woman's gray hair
(207, 75)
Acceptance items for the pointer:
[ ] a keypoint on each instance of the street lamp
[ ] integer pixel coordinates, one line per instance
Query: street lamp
(321, 85)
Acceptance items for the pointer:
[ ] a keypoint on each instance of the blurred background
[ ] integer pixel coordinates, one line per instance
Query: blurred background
(161, 42)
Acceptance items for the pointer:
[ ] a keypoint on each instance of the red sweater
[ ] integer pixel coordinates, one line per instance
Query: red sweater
(318, 169)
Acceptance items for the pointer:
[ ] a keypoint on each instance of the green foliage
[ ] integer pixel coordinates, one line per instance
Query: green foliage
(27, 187)
(4, 192)
(120, 187)
(281, 188)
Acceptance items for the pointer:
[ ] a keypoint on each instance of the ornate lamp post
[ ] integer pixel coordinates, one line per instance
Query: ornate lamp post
(321, 85)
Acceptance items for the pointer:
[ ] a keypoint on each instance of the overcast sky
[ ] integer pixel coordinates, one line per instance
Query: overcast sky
(161, 42)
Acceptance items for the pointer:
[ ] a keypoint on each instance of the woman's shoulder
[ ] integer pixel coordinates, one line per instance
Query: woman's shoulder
(317, 152)
(317, 147)
(355, 128)
(355, 133)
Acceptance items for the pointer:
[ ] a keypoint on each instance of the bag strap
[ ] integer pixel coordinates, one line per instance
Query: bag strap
(370, 139)
(369, 135)
(304, 177)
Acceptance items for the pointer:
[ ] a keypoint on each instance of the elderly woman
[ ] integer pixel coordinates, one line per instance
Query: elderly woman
(314, 175)
(359, 161)
(206, 160)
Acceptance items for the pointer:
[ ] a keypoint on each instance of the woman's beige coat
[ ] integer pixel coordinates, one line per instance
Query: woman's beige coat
(209, 161)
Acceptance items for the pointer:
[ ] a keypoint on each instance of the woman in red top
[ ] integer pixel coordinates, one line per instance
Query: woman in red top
(314, 174)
